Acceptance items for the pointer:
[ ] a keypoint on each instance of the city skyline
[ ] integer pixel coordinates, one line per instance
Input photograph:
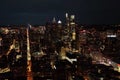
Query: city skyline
(41, 11)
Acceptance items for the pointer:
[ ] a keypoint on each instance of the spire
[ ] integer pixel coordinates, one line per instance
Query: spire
(59, 22)
(54, 20)
(66, 15)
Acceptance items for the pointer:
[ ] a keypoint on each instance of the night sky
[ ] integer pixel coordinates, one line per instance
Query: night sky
(41, 11)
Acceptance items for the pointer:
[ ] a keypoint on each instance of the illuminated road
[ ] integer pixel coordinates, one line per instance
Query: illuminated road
(99, 58)
(29, 63)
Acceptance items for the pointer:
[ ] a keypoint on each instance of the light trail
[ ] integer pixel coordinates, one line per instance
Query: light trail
(29, 63)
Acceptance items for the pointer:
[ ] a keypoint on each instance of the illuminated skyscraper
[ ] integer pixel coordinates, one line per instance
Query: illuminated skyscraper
(59, 23)
(67, 19)
(73, 31)
(54, 20)
(72, 26)
(0, 41)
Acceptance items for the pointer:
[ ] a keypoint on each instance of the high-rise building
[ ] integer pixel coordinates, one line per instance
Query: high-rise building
(67, 19)
(72, 25)
(73, 31)
(0, 41)
(54, 20)
(59, 23)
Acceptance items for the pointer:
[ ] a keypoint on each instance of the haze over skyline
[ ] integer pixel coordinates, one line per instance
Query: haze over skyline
(41, 11)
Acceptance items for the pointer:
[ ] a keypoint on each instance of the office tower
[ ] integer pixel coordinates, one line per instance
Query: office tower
(73, 31)
(67, 19)
(59, 23)
(54, 20)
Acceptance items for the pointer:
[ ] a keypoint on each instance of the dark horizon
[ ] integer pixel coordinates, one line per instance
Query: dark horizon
(40, 11)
